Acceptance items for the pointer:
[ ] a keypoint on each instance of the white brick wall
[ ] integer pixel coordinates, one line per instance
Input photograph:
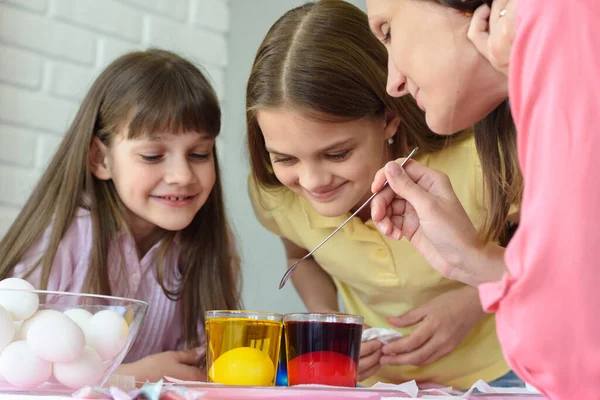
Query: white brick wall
(50, 52)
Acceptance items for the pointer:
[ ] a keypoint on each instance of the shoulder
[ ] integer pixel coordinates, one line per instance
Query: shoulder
(77, 234)
(460, 161)
(280, 211)
(74, 247)
(269, 199)
(458, 158)
(567, 11)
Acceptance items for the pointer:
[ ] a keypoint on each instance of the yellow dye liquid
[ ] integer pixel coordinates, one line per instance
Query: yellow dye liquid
(242, 351)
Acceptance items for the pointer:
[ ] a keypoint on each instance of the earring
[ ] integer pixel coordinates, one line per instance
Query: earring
(390, 141)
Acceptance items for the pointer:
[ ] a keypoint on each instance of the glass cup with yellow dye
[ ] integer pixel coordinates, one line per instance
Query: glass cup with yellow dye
(243, 347)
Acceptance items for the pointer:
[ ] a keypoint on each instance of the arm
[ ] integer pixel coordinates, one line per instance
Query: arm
(313, 284)
(176, 364)
(486, 264)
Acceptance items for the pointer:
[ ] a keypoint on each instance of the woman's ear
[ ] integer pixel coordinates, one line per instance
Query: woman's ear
(99, 160)
(392, 122)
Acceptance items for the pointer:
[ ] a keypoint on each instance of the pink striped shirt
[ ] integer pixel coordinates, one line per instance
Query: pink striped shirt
(547, 306)
(162, 327)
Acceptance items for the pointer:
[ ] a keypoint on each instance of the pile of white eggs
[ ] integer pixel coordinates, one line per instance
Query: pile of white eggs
(70, 346)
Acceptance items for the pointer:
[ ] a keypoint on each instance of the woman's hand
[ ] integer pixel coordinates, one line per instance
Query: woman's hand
(492, 31)
(421, 206)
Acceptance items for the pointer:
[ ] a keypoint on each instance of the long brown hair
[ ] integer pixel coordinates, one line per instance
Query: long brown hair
(496, 142)
(151, 91)
(322, 60)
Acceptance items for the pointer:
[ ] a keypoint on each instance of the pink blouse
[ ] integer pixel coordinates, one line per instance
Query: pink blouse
(548, 304)
(162, 327)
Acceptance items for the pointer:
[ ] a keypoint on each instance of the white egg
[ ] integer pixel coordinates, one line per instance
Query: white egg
(27, 323)
(7, 328)
(55, 337)
(79, 316)
(21, 305)
(106, 332)
(18, 325)
(22, 368)
(86, 370)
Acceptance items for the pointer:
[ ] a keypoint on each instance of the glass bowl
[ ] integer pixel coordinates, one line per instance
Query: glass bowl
(62, 342)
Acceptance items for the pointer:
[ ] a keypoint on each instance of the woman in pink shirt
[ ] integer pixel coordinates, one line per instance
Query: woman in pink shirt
(544, 286)
(131, 205)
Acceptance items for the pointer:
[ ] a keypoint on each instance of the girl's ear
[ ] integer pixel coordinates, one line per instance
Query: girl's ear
(99, 160)
(392, 122)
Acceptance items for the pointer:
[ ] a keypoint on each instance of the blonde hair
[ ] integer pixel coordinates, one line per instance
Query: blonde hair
(322, 59)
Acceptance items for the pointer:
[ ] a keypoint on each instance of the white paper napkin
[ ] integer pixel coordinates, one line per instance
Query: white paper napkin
(384, 335)
(449, 393)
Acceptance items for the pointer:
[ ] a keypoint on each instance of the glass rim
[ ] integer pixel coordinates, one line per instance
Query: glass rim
(244, 314)
(74, 294)
(324, 317)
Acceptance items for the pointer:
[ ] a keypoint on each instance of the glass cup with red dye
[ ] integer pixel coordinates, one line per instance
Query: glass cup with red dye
(322, 348)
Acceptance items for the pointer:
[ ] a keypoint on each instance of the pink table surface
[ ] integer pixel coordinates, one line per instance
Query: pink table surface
(286, 393)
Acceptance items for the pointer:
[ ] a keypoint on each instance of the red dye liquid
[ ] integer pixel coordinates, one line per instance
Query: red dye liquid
(322, 367)
(323, 353)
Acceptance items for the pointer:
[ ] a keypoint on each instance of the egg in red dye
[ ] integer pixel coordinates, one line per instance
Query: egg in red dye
(322, 367)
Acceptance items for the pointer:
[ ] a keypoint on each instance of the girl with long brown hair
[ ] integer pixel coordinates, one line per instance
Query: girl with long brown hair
(320, 125)
(131, 205)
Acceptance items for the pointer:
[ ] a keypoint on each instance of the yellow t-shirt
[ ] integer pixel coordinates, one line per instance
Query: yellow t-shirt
(377, 277)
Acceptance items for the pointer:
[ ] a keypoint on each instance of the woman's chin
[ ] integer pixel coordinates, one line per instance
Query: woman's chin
(445, 124)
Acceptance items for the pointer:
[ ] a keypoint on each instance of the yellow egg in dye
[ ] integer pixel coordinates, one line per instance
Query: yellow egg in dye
(243, 366)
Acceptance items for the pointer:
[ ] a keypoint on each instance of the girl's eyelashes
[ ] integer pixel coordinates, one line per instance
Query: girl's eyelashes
(159, 157)
(333, 157)
(339, 156)
(152, 158)
(200, 156)
(283, 160)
